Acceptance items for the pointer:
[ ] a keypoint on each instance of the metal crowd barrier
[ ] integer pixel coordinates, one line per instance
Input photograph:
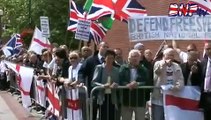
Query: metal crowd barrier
(83, 103)
(121, 90)
(83, 90)
(89, 101)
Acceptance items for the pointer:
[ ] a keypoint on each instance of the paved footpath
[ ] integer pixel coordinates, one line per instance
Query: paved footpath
(10, 109)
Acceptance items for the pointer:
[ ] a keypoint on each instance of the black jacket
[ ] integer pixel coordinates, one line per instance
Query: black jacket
(87, 70)
(196, 78)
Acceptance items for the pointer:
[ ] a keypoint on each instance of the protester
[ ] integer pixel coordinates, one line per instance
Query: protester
(133, 75)
(119, 56)
(106, 75)
(169, 75)
(205, 101)
(192, 70)
(72, 92)
(183, 55)
(87, 70)
(63, 64)
(86, 52)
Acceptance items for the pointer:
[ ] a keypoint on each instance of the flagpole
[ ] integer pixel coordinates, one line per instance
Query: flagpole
(80, 44)
(29, 5)
(159, 49)
(32, 37)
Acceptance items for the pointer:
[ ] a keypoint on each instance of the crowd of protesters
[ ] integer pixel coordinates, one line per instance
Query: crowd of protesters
(107, 68)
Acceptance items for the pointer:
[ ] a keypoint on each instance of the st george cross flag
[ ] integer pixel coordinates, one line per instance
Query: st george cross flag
(73, 110)
(24, 81)
(183, 104)
(39, 42)
(204, 4)
(97, 30)
(40, 92)
(53, 99)
(13, 46)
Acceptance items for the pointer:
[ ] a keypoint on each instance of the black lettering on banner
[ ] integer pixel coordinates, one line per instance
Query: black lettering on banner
(132, 26)
(140, 25)
(153, 25)
(199, 23)
(173, 24)
(192, 24)
(146, 24)
(185, 24)
(165, 24)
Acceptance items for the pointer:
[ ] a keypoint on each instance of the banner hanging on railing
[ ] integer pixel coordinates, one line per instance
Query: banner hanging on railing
(168, 28)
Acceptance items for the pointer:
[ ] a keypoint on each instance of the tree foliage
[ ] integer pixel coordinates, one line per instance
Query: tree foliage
(25, 14)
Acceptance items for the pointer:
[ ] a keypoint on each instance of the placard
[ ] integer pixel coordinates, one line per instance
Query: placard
(83, 30)
(44, 24)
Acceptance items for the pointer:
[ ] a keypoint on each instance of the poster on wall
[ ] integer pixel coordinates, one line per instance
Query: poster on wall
(168, 28)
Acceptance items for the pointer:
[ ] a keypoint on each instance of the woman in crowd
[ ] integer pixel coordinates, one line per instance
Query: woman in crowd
(72, 93)
(106, 75)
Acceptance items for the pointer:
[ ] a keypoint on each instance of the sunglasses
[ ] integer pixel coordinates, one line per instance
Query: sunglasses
(71, 58)
(190, 50)
(85, 50)
(208, 48)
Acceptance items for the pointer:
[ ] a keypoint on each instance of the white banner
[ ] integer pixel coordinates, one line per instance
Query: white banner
(168, 28)
(183, 104)
(24, 81)
(83, 30)
(40, 92)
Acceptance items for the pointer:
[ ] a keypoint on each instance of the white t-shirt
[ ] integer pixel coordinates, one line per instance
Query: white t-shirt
(183, 56)
(133, 74)
(207, 84)
(169, 74)
(2, 67)
(73, 73)
(52, 64)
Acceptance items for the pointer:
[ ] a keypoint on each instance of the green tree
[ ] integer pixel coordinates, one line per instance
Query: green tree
(22, 14)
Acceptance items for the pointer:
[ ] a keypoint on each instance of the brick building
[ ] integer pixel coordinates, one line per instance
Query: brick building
(117, 37)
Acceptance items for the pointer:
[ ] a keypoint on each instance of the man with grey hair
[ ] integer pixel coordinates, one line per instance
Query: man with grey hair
(133, 75)
(166, 73)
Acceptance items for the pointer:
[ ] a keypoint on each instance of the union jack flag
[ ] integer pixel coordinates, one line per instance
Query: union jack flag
(121, 9)
(182, 9)
(13, 46)
(97, 31)
(128, 8)
(202, 5)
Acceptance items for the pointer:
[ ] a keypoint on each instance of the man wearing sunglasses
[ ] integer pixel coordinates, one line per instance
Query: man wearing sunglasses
(184, 55)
